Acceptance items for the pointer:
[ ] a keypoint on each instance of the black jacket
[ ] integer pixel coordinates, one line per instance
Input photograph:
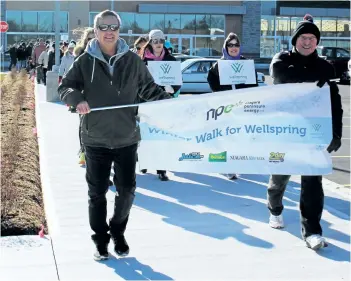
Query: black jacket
(167, 57)
(51, 60)
(127, 81)
(214, 82)
(291, 67)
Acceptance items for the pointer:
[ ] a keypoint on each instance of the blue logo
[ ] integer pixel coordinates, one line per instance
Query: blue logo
(316, 127)
(193, 156)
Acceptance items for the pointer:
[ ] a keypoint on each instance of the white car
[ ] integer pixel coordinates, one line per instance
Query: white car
(195, 71)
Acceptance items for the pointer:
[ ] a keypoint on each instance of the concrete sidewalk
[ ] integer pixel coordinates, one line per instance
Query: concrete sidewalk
(194, 227)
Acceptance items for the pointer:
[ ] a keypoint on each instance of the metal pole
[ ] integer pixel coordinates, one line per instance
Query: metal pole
(112, 5)
(57, 35)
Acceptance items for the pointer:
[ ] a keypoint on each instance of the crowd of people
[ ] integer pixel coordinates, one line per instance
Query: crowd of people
(103, 63)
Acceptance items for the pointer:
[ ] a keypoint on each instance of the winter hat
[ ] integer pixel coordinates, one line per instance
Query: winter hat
(71, 45)
(156, 34)
(305, 26)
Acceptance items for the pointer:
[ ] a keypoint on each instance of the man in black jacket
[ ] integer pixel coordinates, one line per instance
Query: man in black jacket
(108, 74)
(302, 64)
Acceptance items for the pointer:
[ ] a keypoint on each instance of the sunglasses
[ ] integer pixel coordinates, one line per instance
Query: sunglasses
(231, 45)
(158, 41)
(138, 48)
(105, 27)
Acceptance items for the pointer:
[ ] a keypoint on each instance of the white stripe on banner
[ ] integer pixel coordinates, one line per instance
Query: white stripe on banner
(280, 129)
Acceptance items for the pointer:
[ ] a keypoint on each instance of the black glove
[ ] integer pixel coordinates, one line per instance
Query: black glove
(72, 109)
(334, 145)
(322, 82)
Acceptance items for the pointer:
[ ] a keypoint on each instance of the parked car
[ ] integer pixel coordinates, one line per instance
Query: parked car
(339, 58)
(183, 57)
(195, 71)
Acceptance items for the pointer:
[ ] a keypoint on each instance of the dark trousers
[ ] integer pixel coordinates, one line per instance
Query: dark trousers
(13, 63)
(311, 201)
(44, 75)
(98, 169)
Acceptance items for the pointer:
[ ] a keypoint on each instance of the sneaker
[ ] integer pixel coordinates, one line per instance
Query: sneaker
(163, 177)
(121, 245)
(101, 253)
(316, 242)
(81, 159)
(276, 221)
(232, 177)
(144, 171)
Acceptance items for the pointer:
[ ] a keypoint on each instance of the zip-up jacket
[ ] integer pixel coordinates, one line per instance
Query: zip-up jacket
(123, 80)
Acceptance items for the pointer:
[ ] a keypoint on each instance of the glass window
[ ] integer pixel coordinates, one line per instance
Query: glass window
(91, 19)
(14, 21)
(13, 39)
(217, 24)
(328, 43)
(130, 40)
(341, 53)
(283, 26)
(172, 22)
(45, 21)
(203, 23)
(157, 21)
(141, 24)
(343, 44)
(187, 24)
(267, 47)
(267, 26)
(63, 22)
(29, 21)
(208, 47)
(127, 22)
(268, 7)
(343, 28)
(199, 67)
(328, 27)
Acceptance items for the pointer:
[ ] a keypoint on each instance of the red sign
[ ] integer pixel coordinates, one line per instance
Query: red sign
(4, 26)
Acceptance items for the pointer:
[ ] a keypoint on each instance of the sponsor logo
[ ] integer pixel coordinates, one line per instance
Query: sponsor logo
(166, 68)
(276, 157)
(316, 127)
(193, 156)
(245, 157)
(218, 157)
(215, 113)
(237, 67)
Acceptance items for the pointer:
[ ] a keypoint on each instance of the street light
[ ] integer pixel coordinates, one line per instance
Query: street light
(57, 36)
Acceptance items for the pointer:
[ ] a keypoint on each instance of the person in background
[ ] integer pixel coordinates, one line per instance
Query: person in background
(43, 62)
(108, 74)
(51, 61)
(13, 56)
(231, 51)
(67, 61)
(21, 56)
(155, 50)
(87, 35)
(302, 64)
(139, 44)
(38, 50)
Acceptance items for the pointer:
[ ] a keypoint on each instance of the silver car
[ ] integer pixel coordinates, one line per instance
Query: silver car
(195, 71)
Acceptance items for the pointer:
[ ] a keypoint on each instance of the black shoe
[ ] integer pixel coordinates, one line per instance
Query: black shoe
(233, 177)
(144, 171)
(101, 242)
(110, 182)
(121, 245)
(163, 177)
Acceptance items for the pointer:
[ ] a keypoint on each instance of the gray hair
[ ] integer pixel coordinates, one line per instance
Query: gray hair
(106, 13)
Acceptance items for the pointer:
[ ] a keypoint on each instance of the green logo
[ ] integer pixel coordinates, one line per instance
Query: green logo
(218, 157)
(237, 67)
(276, 157)
(166, 68)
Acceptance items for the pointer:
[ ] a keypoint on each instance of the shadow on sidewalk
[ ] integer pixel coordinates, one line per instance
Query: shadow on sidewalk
(132, 269)
(245, 197)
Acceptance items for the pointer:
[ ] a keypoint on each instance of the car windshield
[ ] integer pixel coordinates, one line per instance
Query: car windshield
(186, 63)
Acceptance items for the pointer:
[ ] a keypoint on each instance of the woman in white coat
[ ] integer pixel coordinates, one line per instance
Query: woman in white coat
(43, 61)
(67, 61)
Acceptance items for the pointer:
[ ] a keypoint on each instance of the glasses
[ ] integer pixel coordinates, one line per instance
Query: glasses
(158, 41)
(231, 45)
(311, 38)
(105, 27)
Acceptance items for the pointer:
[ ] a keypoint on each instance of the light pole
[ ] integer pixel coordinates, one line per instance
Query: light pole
(57, 36)
(112, 5)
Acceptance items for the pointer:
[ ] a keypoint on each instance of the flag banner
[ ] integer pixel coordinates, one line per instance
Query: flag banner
(280, 129)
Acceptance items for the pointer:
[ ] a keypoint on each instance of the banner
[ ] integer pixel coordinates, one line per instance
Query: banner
(233, 72)
(166, 72)
(281, 129)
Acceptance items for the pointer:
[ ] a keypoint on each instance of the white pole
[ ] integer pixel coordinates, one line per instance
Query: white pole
(112, 5)
(57, 36)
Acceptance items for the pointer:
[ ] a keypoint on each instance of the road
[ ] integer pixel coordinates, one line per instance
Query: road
(341, 158)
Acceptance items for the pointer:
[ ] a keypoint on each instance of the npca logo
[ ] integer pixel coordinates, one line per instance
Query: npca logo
(316, 127)
(237, 67)
(165, 68)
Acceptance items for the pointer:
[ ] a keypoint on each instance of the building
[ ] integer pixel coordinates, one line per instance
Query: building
(193, 27)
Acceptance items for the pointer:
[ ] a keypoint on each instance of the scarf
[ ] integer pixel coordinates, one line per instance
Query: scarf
(150, 55)
(226, 56)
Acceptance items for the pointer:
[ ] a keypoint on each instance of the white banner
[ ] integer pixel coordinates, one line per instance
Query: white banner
(166, 72)
(281, 129)
(233, 72)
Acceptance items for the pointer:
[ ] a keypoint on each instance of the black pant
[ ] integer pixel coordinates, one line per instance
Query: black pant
(44, 75)
(98, 169)
(311, 201)
(13, 63)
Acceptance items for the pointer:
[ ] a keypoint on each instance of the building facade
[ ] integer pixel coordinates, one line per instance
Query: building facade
(193, 27)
